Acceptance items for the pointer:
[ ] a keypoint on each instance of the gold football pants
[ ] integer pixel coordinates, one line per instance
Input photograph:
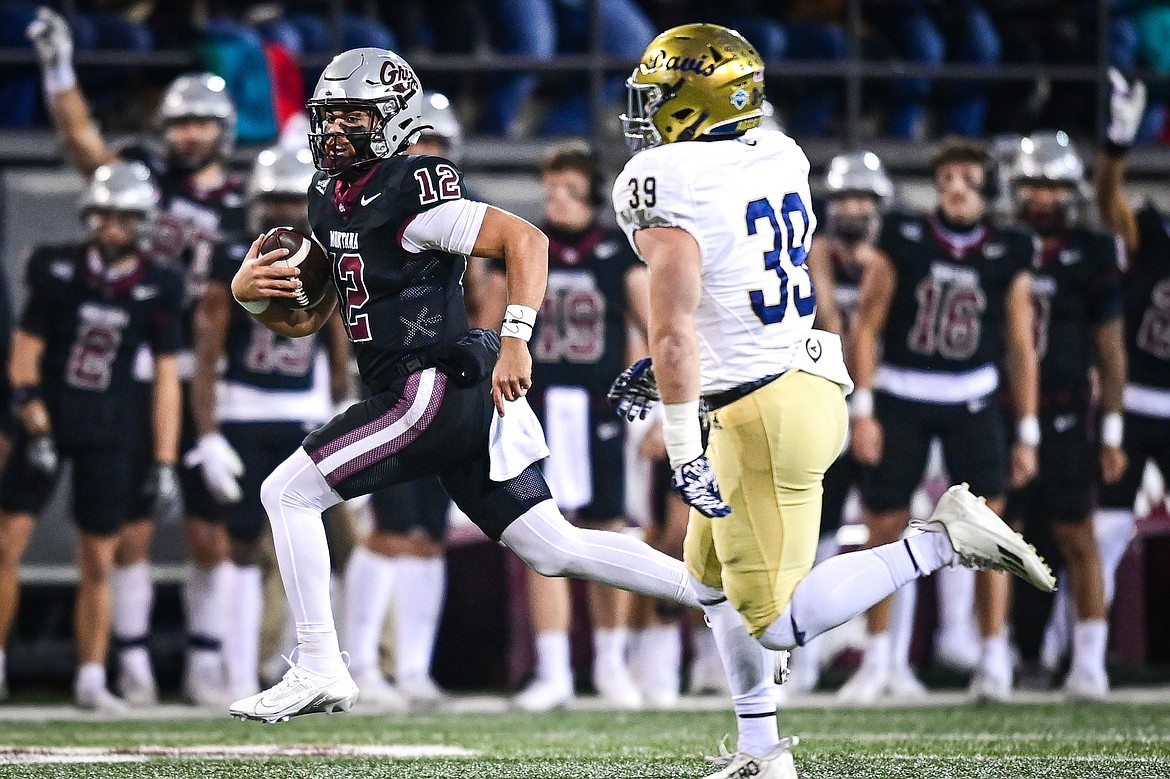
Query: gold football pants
(770, 450)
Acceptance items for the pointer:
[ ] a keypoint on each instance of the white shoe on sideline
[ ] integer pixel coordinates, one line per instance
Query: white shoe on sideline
(378, 692)
(136, 683)
(777, 764)
(957, 649)
(421, 690)
(616, 686)
(905, 685)
(1082, 685)
(99, 700)
(300, 692)
(204, 680)
(991, 686)
(543, 695)
(984, 541)
(865, 686)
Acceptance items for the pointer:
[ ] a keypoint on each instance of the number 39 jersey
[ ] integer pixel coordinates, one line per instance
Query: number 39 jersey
(395, 304)
(746, 203)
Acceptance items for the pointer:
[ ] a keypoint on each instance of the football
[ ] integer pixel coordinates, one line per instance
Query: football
(306, 253)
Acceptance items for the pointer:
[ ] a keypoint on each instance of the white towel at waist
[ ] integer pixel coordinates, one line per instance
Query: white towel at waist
(515, 440)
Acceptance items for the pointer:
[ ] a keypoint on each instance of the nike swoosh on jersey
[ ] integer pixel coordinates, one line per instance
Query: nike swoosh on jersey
(366, 201)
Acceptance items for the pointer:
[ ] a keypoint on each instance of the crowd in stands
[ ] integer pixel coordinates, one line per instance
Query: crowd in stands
(259, 48)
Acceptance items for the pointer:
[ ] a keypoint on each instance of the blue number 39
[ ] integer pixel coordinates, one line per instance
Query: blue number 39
(762, 209)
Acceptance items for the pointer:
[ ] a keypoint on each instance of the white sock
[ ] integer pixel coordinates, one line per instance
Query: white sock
(204, 593)
(552, 657)
(418, 607)
(842, 587)
(294, 496)
(241, 644)
(609, 647)
(956, 600)
(902, 625)
(878, 652)
(659, 651)
(369, 585)
(997, 654)
(91, 676)
(545, 540)
(1090, 638)
(1113, 529)
(133, 595)
(749, 672)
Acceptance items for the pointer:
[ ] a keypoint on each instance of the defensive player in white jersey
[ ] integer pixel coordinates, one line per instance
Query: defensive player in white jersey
(719, 210)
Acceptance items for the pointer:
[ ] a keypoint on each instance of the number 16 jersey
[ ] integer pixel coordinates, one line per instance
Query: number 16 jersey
(746, 203)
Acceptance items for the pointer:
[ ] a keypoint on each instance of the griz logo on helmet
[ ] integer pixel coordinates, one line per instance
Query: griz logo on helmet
(399, 78)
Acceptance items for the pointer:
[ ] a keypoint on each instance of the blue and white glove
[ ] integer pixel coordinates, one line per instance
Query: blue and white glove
(1127, 104)
(634, 392)
(695, 483)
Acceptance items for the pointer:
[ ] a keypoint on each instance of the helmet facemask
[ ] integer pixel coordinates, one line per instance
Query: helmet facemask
(642, 102)
(369, 145)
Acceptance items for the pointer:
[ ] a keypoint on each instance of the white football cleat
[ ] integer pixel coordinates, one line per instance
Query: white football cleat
(543, 695)
(905, 685)
(136, 684)
(990, 686)
(1082, 685)
(777, 764)
(983, 541)
(300, 692)
(99, 700)
(865, 686)
(421, 690)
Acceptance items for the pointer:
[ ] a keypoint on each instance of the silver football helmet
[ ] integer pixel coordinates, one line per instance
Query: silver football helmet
(1047, 157)
(440, 121)
(379, 81)
(201, 96)
(858, 173)
(279, 174)
(120, 186)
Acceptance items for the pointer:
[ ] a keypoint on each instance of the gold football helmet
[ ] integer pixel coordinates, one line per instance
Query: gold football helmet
(693, 81)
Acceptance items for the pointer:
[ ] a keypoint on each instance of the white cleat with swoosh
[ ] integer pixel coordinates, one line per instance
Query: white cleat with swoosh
(300, 692)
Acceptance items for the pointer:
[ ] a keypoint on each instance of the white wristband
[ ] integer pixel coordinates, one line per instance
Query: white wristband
(58, 77)
(861, 403)
(680, 428)
(254, 306)
(1028, 431)
(1112, 429)
(518, 322)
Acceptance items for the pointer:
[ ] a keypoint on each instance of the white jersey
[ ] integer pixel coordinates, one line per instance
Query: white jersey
(746, 203)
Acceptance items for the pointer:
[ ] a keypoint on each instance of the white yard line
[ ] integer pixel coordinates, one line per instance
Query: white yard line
(42, 755)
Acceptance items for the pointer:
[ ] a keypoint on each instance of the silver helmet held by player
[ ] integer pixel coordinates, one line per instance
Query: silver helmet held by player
(376, 80)
(440, 121)
(858, 174)
(280, 174)
(200, 96)
(1048, 159)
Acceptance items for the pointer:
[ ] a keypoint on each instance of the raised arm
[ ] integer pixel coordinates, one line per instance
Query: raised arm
(67, 105)
(1127, 103)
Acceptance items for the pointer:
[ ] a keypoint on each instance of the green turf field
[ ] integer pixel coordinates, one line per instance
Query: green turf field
(1106, 741)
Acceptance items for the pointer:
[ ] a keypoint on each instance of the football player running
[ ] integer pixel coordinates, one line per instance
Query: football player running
(254, 396)
(720, 212)
(1077, 301)
(201, 201)
(944, 300)
(1146, 286)
(90, 307)
(398, 228)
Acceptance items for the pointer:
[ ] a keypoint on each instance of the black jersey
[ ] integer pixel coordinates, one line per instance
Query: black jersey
(92, 325)
(948, 306)
(1076, 286)
(395, 304)
(580, 335)
(1147, 302)
(255, 355)
(191, 222)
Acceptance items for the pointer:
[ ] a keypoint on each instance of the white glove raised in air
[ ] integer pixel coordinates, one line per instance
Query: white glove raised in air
(1127, 104)
(220, 466)
(53, 40)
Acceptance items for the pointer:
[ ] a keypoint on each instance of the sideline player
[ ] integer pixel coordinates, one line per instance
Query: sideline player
(720, 212)
(596, 293)
(201, 200)
(397, 228)
(1077, 300)
(254, 395)
(946, 297)
(1146, 287)
(90, 307)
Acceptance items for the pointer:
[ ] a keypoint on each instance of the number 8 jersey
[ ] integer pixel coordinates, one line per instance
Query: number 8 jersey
(746, 203)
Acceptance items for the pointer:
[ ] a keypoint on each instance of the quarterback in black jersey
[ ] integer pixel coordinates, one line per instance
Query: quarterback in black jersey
(397, 229)
(945, 296)
(90, 308)
(201, 202)
(1076, 294)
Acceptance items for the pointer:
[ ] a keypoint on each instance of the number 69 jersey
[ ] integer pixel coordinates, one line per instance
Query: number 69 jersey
(746, 203)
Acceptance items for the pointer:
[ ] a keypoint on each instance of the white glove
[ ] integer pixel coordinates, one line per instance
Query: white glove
(51, 36)
(220, 466)
(1127, 104)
